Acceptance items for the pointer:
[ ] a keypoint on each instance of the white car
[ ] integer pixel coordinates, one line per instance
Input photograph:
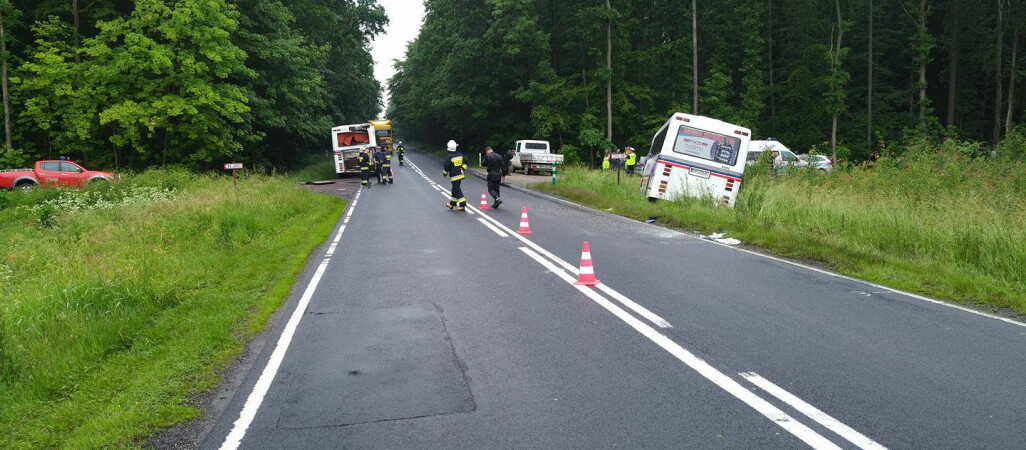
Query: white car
(787, 157)
(820, 162)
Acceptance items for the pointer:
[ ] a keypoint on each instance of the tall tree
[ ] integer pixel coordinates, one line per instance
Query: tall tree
(922, 45)
(609, 75)
(954, 49)
(836, 95)
(6, 10)
(999, 52)
(869, 78)
(694, 57)
(1011, 80)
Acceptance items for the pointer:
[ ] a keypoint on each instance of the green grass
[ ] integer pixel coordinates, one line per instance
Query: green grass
(315, 167)
(118, 302)
(928, 224)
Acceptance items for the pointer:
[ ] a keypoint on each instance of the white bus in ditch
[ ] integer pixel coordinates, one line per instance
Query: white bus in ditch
(698, 157)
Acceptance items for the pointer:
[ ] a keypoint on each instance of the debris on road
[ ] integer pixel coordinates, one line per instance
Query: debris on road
(720, 237)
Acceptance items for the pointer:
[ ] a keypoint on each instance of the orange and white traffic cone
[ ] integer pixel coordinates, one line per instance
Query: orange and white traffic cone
(484, 201)
(586, 276)
(525, 227)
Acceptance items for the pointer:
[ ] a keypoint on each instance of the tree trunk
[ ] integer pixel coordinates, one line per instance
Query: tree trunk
(997, 72)
(3, 86)
(609, 80)
(922, 65)
(953, 54)
(869, 77)
(1011, 82)
(773, 94)
(694, 57)
(78, 36)
(837, 66)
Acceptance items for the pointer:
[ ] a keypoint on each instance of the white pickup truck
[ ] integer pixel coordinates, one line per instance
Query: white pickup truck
(531, 156)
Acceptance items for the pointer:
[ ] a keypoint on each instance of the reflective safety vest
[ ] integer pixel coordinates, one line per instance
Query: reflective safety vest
(388, 161)
(364, 160)
(632, 159)
(605, 163)
(454, 167)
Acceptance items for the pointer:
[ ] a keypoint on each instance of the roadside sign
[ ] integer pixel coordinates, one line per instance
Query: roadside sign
(620, 156)
(233, 167)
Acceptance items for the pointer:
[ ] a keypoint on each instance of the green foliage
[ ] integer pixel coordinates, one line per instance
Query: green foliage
(110, 316)
(770, 66)
(188, 81)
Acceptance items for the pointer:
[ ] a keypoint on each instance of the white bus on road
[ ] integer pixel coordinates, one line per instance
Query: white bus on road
(698, 157)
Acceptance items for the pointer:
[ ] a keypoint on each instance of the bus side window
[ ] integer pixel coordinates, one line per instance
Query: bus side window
(657, 142)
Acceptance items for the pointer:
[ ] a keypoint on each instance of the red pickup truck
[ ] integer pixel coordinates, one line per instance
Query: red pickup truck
(51, 173)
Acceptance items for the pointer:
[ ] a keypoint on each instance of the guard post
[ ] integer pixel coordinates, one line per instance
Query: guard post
(619, 166)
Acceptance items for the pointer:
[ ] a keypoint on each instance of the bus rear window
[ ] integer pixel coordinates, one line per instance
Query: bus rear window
(706, 145)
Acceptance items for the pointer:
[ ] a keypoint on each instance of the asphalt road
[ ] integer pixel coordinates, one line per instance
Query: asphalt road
(418, 327)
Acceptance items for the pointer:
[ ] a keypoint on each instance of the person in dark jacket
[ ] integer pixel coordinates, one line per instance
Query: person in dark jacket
(379, 159)
(495, 165)
(507, 160)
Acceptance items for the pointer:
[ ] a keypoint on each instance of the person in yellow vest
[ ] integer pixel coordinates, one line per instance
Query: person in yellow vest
(455, 168)
(605, 161)
(632, 160)
(365, 167)
(386, 169)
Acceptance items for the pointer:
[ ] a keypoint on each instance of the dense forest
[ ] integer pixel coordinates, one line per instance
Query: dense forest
(867, 75)
(133, 83)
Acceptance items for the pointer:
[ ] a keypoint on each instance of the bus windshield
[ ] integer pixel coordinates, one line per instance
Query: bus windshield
(707, 145)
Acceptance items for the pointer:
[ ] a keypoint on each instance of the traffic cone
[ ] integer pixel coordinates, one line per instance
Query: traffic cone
(525, 228)
(586, 276)
(484, 201)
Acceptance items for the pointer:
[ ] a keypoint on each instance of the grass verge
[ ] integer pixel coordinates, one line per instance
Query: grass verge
(118, 302)
(928, 224)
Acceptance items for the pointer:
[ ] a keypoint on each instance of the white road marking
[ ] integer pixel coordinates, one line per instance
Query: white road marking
(492, 227)
(640, 310)
(812, 412)
(798, 429)
(634, 306)
(263, 384)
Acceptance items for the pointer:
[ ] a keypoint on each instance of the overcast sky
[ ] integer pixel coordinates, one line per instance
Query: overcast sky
(404, 20)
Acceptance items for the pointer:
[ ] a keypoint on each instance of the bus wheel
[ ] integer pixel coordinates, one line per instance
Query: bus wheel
(652, 199)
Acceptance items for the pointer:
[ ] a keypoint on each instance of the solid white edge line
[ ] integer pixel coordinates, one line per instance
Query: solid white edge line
(492, 227)
(812, 412)
(798, 429)
(871, 284)
(263, 384)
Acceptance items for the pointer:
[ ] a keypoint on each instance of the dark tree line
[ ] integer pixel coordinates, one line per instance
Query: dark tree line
(850, 75)
(142, 82)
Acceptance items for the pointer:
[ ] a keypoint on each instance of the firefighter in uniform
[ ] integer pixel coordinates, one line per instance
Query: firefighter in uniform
(386, 168)
(379, 159)
(365, 167)
(455, 169)
(401, 150)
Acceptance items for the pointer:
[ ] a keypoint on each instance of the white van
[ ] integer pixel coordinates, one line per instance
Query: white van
(698, 157)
